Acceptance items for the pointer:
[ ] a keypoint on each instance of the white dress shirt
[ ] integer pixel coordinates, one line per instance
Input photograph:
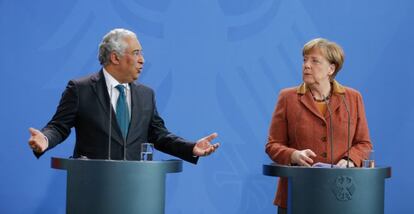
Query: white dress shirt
(111, 83)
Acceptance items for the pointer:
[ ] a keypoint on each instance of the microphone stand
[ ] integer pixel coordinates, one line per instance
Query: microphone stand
(330, 127)
(349, 130)
(110, 124)
(126, 119)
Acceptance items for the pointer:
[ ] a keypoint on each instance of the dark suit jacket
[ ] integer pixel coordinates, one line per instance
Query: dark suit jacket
(85, 105)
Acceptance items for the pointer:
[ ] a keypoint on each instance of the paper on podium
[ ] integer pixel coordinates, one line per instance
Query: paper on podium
(324, 165)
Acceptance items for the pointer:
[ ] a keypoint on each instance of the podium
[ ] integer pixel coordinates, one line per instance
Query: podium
(332, 190)
(112, 186)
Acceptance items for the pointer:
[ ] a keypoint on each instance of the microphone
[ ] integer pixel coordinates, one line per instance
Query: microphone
(349, 129)
(110, 123)
(330, 127)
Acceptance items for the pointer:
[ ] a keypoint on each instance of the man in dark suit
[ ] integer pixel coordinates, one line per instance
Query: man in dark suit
(87, 103)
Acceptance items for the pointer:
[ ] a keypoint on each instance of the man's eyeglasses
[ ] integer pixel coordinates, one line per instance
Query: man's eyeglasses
(136, 53)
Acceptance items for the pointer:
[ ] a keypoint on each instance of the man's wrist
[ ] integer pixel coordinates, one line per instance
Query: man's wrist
(46, 141)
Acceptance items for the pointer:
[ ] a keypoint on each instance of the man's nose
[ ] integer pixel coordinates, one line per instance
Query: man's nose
(141, 59)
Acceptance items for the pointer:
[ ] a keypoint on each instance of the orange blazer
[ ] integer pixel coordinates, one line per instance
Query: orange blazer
(297, 124)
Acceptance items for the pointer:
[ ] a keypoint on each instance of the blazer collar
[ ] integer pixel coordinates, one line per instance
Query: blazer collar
(306, 99)
(336, 88)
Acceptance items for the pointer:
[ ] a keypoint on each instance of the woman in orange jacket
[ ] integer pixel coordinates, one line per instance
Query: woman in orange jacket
(299, 132)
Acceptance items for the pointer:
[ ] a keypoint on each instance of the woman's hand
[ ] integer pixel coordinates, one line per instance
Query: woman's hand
(342, 163)
(303, 157)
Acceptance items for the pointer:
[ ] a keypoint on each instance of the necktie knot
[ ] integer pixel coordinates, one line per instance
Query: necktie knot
(121, 89)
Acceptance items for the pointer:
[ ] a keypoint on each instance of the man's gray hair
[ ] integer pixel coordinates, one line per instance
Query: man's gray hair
(114, 41)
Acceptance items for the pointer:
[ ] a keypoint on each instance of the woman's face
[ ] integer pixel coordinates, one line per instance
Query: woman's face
(316, 68)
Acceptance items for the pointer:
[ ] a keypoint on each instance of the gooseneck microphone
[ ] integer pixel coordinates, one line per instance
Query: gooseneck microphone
(110, 123)
(330, 127)
(349, 130)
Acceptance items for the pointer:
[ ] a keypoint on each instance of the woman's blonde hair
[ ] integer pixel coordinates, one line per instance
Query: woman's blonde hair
(330, 50)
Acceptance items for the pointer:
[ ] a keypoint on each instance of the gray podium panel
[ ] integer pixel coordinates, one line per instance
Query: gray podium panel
(333, 190)
(115, 187)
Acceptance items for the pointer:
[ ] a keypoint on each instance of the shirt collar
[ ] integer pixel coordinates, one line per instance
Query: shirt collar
(111, 81)
(337, 88)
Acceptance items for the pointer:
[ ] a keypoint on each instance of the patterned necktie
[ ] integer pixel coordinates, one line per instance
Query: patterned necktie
(122, 113)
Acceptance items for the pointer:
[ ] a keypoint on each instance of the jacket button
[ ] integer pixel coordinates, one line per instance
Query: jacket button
(323, 139)
(324, 155)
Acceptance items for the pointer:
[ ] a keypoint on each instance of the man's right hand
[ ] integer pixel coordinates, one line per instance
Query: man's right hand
(37, 141)
(303, 157)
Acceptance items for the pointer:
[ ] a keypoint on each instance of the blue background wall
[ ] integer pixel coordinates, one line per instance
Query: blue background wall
(216, 65)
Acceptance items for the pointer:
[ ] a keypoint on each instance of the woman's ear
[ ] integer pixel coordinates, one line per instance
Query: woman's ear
(332, 68)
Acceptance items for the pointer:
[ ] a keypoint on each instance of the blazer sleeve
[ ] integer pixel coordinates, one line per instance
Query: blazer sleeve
(361, 143)
(277, 142)
(167, 142)
(59, 127)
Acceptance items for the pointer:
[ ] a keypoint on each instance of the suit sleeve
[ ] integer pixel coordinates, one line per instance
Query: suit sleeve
(167, 142)
(59, 128)
(277, 143)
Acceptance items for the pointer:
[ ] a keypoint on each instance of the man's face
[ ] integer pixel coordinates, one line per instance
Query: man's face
(132, 62)
(316, 68)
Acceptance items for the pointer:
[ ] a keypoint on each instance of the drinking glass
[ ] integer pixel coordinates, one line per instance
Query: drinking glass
(147, 151)
(370, 162)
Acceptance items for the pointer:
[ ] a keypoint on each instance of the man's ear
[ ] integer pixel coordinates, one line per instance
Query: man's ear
(114, 58)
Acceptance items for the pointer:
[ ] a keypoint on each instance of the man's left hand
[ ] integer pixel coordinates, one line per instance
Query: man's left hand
(204, 147)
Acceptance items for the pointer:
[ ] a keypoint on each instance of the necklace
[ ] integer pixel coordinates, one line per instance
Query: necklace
(320, 100)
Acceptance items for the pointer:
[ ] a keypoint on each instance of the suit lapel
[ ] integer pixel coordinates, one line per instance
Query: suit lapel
(101, 91)
(136, 112)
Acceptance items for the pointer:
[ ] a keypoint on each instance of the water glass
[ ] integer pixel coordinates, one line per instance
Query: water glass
(370, 162)
(147, 151)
